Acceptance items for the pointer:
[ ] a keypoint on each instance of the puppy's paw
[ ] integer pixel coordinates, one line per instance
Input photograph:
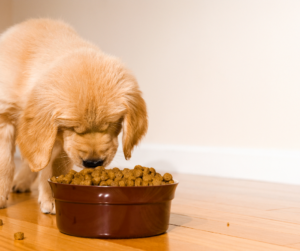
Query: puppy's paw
(48, 207)
(21, 185)
(47, 202)
(3, 200)
(4, 192)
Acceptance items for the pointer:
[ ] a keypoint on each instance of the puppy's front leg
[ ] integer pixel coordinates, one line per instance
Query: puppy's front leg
(7, 165)
(59, 164)
(45, 195)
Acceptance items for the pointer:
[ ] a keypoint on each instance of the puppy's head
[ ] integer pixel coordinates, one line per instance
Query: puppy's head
(83, 101)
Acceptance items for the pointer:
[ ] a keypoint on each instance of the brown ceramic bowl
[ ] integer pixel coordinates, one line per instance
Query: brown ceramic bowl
(112, 212)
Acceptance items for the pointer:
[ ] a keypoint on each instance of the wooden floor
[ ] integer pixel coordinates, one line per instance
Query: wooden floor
(207, 214)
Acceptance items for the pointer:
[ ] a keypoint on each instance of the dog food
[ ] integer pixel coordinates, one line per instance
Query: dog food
(19, 236)
(139, 176)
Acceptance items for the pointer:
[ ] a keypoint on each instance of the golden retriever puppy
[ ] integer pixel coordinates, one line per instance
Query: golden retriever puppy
(63, 102)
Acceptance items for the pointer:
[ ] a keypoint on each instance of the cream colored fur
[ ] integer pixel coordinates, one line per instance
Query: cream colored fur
(62, 100)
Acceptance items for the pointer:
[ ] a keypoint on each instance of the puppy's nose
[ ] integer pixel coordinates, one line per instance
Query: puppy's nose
(92, 163)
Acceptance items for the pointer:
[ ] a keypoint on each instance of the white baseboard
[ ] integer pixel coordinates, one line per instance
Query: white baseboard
(281, 166)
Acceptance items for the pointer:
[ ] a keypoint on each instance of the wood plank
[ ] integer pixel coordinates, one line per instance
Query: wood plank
(242, 229)
(223, 242)
(225, 217)
(284, 215)
(180, 238)
(46, 238)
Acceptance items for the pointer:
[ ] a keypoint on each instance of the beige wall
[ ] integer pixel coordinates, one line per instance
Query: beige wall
(5, 14)
(214, 73)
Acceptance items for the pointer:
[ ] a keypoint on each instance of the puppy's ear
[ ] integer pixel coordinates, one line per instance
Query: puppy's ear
(135, 123)
(36, 134)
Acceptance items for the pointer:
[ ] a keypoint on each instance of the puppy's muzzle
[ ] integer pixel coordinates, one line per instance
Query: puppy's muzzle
(92, 163)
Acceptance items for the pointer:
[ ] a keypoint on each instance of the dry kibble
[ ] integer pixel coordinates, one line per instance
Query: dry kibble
(69, 176)
(119, 175)
(167, 177)
(117, 179)
(86, 183)
(130, 183)
(89, 170)
(138, 167)
(138, 182)
(139, 176)
(103, 183)
(158, 176)
(80, 177)
(124, 171)
(109, 181)
(156, 182)
(121, 183)
(19, 236)
(138, 173)
(86, 171)
(115, 184)
(100, 168)
(96, 181)
(60, 178)
(147, 178)
(76, 181)
(72, 172)
(53, 179)
(115, 170)
(125, 181)
(131, 178)
(66, 180)
(76, 175)
(128, 174)
(96, 173)
(145, 183)
(146, 171)
(111, 175)
(104, 176)
(152, 170)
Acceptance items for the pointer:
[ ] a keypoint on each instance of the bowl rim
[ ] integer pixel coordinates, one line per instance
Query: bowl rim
(176, 182)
